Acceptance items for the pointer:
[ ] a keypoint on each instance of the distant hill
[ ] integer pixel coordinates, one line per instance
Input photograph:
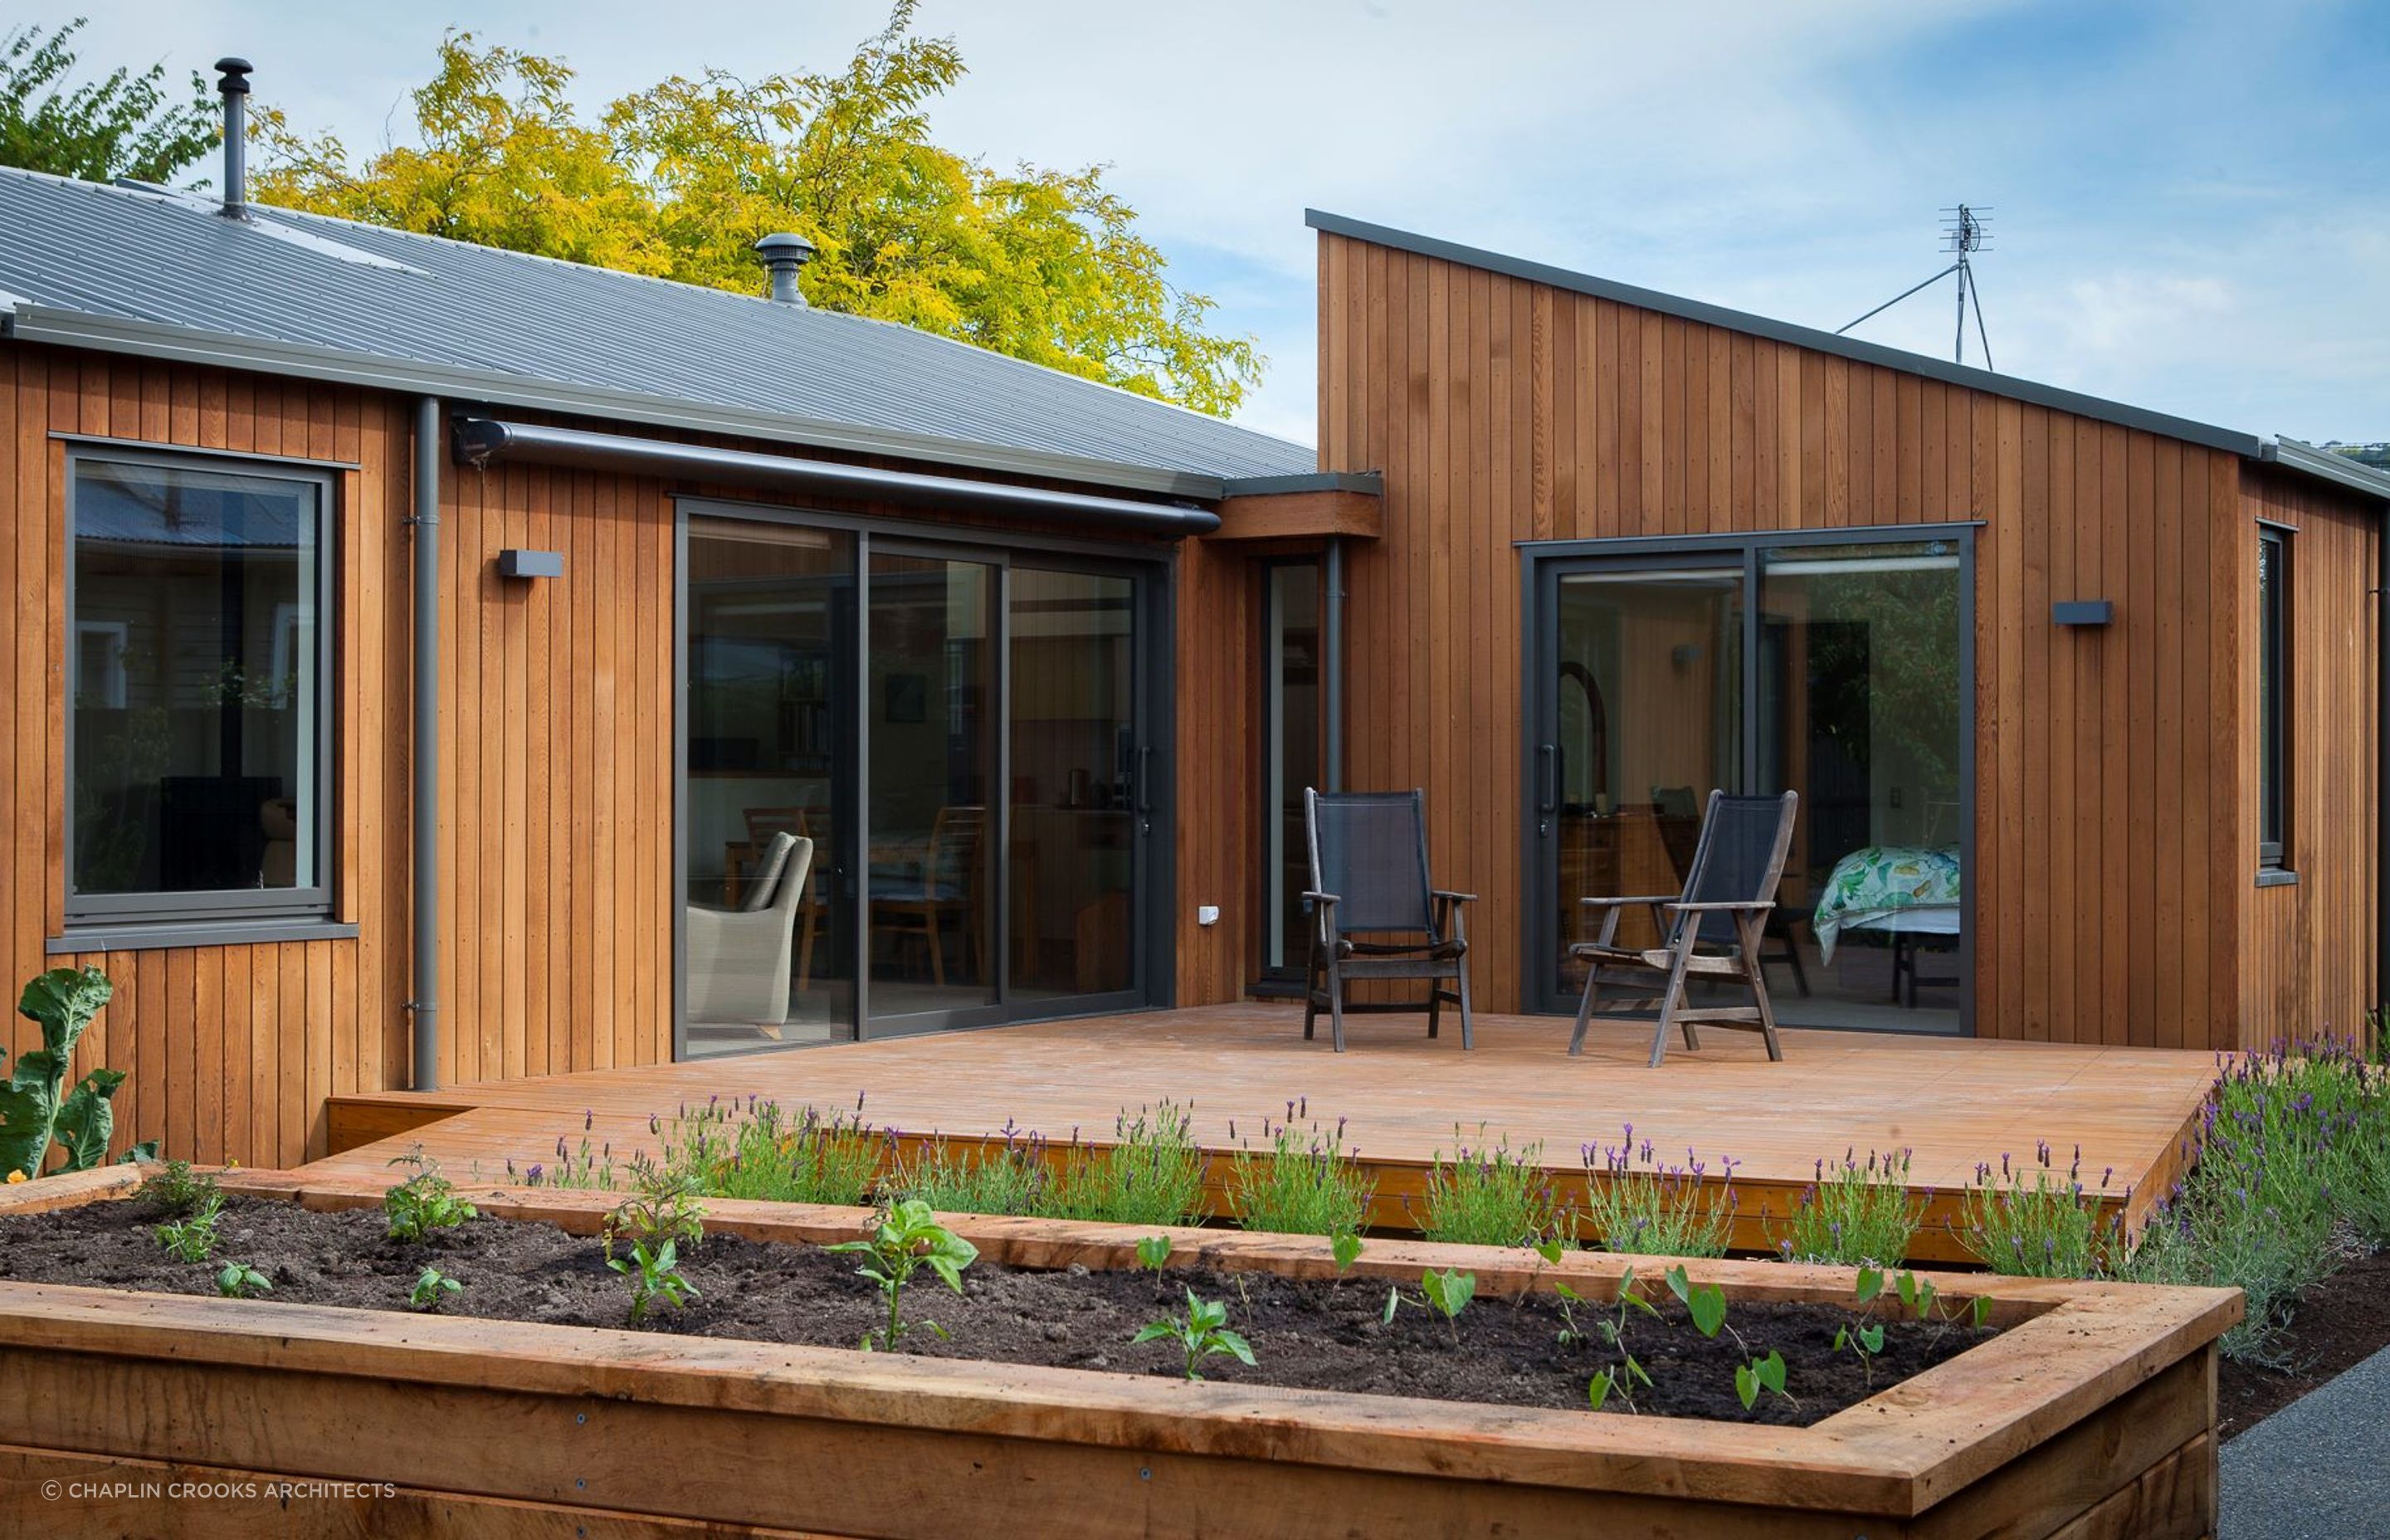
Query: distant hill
(2364, 454)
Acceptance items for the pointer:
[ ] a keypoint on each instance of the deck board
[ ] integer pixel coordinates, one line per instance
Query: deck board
(1949, 1102)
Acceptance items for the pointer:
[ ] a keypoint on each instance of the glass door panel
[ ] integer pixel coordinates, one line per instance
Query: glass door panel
(1859, 695)
(928, 703)
(770, 651)
(1645, 718)
(1290, 759)
(1076, 780)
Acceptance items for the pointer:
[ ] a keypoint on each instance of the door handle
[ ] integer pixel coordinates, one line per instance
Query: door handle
(1144, 779)
(1548, 756)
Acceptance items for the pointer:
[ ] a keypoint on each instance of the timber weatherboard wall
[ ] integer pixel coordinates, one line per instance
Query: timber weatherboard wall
(2114, 851)
(555, 764)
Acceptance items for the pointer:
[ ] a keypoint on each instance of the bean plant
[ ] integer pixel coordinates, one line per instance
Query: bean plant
(430, 1285)
(238, 1281)
(906, 1238)
(1202, 1333)
(1619, 1377)
(1447, 1292)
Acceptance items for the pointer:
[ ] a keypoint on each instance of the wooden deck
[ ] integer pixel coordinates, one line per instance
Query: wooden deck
(1949, 1103)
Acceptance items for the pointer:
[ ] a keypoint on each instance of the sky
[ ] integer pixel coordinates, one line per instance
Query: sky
(2189, 201)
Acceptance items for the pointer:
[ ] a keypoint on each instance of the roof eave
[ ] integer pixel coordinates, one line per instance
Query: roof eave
(2291, 455)
(34, 323)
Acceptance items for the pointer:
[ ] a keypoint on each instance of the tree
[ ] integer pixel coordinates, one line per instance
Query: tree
(123, 125)
(680, 180)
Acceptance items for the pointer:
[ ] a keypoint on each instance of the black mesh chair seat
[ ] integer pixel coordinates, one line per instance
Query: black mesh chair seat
(1375, 913)
(1712, 929)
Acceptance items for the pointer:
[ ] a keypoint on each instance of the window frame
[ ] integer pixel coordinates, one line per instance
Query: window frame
(2276, 678)
(93, 916)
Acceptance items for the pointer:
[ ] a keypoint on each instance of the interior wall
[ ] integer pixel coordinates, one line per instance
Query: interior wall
(2109, 820)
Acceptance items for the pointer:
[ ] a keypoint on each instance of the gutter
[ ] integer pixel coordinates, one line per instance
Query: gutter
(481, 442)
(423, 811)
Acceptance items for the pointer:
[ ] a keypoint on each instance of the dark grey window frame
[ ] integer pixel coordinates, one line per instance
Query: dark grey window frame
(95, 920)
(2276, 668)
(1540, 563)
(1154, 570)
(1292, 970)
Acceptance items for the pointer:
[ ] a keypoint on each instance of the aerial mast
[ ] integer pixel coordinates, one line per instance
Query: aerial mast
(1964, 235)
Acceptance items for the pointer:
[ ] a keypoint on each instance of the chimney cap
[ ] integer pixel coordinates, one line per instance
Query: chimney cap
(784, 252)
(236, 75)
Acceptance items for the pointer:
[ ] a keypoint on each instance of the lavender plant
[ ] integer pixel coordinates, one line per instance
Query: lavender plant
(974, 1179)
(1856, 1213)
(1152, 1174)
(1304, 1185)
(758, 1149)
(1492, 1197)
(1637, 1204)
(2051, 1229)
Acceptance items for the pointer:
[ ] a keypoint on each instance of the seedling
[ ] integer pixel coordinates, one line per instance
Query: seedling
(1448, 1293)
(425, 1201)
(1705, 1302)
(906, 1238)
(1202, 1332)
(1153, 1252)
(1618, 1379)
(192, 1239)
(430, 1285)
(1346, 1249)
(1862, 1336)
(666, 1207)
(655, 1278)
(238, 1281)
(1760, 1374)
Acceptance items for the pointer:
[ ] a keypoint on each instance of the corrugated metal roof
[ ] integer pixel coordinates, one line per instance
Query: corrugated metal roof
(313, 295)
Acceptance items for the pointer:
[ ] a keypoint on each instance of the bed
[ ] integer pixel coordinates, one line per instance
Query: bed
(1903, 889)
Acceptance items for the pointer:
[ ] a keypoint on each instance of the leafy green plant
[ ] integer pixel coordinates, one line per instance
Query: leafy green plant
(1302, 1184)
(1152, 1174)
(1345, 1250)
(425, 1201)
(1637, 1203)
(1863, 1335)
(36, 1109)
(238, 1281)
(1857, 1213)
(192, 1237)
(1491, 1197)
(178, 1189)
(430, 1285)
(1705, 1302)
(1447, 1292)
(906, 1238)
(655, 1277)
(1202, 1333)
(663, 1206)
(1153, 1252)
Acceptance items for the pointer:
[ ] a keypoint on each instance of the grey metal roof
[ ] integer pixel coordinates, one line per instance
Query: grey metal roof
(162, 274)
(2289, 452)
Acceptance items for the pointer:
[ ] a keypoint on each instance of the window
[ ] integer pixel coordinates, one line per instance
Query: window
(1291, 756)
(2273, 699)
(197, 757)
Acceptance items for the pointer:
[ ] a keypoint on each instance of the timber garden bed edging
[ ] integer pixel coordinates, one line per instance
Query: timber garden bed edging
(2095, 1405)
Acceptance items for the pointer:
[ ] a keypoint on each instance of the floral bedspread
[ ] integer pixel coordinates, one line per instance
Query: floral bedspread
(1876, 881)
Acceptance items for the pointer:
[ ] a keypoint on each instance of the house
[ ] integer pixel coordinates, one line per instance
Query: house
(422, 649)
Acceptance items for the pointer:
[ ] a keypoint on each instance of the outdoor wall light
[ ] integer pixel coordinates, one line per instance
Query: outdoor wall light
(2082, 613)
(531, 564)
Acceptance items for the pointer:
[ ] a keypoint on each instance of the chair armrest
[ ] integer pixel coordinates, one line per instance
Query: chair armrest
(1725, 905)
(1323, 898)
(1611, 908)
(1451, 897)
(1634, 898)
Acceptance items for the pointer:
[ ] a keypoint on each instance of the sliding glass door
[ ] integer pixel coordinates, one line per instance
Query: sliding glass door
(1838, 667)
(963, 732)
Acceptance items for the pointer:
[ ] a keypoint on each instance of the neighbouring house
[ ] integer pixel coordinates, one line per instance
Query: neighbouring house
(423, 651)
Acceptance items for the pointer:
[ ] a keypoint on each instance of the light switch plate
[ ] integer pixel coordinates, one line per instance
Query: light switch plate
(1207, 914)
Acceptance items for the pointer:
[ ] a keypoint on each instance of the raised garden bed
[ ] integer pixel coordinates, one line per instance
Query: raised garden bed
(2085, 1409)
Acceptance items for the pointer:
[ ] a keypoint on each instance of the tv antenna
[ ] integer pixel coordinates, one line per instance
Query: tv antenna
(1964, 235)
